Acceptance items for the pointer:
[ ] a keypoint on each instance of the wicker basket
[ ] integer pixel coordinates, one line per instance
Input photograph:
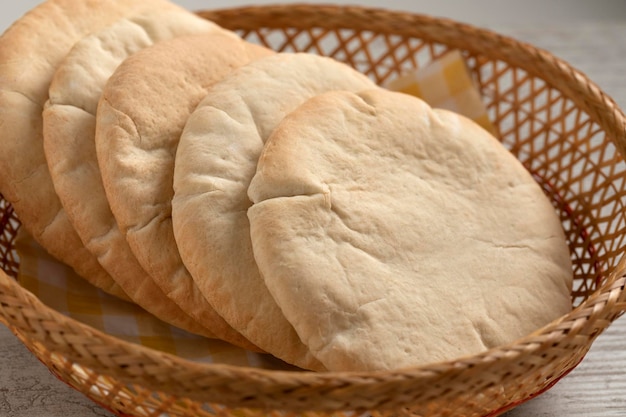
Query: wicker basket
(564, 129)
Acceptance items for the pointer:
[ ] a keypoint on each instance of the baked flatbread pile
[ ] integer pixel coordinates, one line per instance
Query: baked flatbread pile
(281, 202)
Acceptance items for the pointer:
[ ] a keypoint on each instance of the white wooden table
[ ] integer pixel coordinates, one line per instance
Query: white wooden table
(597, 387)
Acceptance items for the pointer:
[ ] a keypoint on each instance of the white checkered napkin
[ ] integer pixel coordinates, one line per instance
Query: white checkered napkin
(445, 83)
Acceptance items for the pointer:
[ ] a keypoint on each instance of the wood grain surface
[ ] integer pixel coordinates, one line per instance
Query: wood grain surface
(596, 388)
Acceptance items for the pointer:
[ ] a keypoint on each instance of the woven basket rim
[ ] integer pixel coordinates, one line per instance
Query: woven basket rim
(606, 303)
(329, 384)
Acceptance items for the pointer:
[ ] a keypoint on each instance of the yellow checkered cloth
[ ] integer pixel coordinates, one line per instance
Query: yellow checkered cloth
(60, 288)
(444, 83)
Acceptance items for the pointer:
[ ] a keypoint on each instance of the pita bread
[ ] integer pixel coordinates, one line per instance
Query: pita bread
(69, 143)
(30, 51)
(393, 235)
(215, 161)
(140, 117)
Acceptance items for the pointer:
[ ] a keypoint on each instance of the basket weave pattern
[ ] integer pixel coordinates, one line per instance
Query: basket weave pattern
(562, 127)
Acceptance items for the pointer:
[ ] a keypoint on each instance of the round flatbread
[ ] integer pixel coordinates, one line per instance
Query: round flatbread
(69, 121)
(30, 51)
(393, 235)
(215, 161)
(140, 117)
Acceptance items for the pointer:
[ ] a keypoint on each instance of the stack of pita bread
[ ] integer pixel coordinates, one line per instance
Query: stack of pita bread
(281, 202)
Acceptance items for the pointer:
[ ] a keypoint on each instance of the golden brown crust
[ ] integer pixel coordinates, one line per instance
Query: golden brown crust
(30, 51)
(141, 115)
(69, 143)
